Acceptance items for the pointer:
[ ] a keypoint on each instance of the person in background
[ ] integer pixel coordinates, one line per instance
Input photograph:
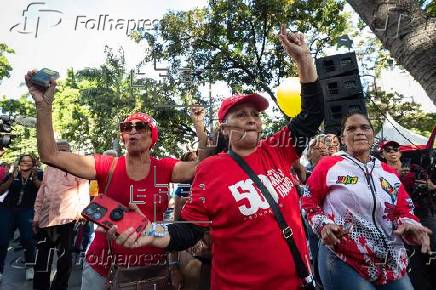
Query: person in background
(58, 206)
(4, 169)
(421, 187)
(362, 214)
(190, 269)
(317, 149)
(332, 143)
(17, 209)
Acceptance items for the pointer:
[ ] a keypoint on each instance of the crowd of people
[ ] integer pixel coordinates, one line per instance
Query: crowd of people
(247, 214)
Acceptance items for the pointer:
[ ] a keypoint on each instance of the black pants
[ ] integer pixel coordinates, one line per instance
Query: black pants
(10, 219)
(53, 239)
(422, 267)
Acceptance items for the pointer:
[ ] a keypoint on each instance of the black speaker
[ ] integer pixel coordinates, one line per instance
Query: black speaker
(346, 87)
(337, 65)
(336, 110)
(341, 87)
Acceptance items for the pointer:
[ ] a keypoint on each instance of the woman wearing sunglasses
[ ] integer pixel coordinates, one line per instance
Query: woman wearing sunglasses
(421, 188)
(138, 178)
(16, 210)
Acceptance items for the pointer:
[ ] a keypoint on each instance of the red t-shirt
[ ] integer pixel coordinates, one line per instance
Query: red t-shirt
(148, 190)
(249, 251)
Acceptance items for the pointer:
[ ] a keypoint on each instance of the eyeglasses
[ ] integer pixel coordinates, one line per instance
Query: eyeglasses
(391, 149)
(140, 127)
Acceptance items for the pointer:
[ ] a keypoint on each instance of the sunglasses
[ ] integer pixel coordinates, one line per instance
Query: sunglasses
(391, 149)
(141, 127)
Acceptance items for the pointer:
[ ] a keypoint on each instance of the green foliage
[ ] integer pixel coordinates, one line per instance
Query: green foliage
(429, 7)
(408, 114)
(92, 102)
(5, 66)
(236, 41)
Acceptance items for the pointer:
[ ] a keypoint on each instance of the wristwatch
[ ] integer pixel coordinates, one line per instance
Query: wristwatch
(157, 230)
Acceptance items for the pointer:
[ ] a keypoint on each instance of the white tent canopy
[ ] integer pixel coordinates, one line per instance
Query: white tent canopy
(390, 132)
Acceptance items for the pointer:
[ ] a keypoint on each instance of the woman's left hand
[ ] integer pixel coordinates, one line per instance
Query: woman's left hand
(294, 44)
(414, 234)
(428, 182)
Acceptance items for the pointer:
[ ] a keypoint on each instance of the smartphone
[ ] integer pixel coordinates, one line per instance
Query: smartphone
(107, 212)
(43, 77)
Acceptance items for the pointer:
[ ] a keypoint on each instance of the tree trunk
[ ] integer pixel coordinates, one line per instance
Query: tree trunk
(408, 33)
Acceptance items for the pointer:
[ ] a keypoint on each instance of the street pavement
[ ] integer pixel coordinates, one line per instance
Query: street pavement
(14, 276)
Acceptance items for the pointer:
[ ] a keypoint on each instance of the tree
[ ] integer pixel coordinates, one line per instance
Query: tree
(408, 114)
(408, 32)
(97, 99)
(235, 41)
(5, 66)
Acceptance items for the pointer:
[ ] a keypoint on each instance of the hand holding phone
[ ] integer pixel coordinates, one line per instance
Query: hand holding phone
(43, 77)
(42, 85)
(107, 212)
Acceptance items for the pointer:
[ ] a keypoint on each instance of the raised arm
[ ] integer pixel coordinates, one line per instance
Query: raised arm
(306, 124)
(296, 47)
(81, 166)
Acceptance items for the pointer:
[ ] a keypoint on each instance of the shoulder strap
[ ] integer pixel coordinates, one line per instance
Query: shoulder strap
(111, 172)
(106, 188)
(287, 233)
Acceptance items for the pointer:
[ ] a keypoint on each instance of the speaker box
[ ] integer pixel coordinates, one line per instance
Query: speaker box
(337, 65)
(336, 110)
(339, 88)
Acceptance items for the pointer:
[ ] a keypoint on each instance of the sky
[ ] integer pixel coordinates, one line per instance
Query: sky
(69, 36)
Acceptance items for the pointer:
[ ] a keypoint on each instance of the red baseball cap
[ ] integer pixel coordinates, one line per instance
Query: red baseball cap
(387, 142)
(147, 119)
(257, 100)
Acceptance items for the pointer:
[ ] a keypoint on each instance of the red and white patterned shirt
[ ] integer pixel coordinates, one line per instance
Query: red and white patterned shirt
(369, 200)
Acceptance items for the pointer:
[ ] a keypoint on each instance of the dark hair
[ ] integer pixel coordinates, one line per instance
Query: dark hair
(27, 155)
(350, 114)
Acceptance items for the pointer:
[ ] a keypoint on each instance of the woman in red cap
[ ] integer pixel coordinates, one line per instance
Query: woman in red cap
(249, 250)
(137, 177)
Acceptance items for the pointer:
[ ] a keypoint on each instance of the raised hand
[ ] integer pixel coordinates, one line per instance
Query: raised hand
(294, 44)
(39, 94)
(296, 47)
(197, 115)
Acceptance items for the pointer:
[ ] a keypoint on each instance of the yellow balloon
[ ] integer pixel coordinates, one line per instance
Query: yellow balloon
(289, 96)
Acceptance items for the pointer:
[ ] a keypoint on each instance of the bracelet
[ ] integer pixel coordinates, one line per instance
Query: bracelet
(157, 230)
